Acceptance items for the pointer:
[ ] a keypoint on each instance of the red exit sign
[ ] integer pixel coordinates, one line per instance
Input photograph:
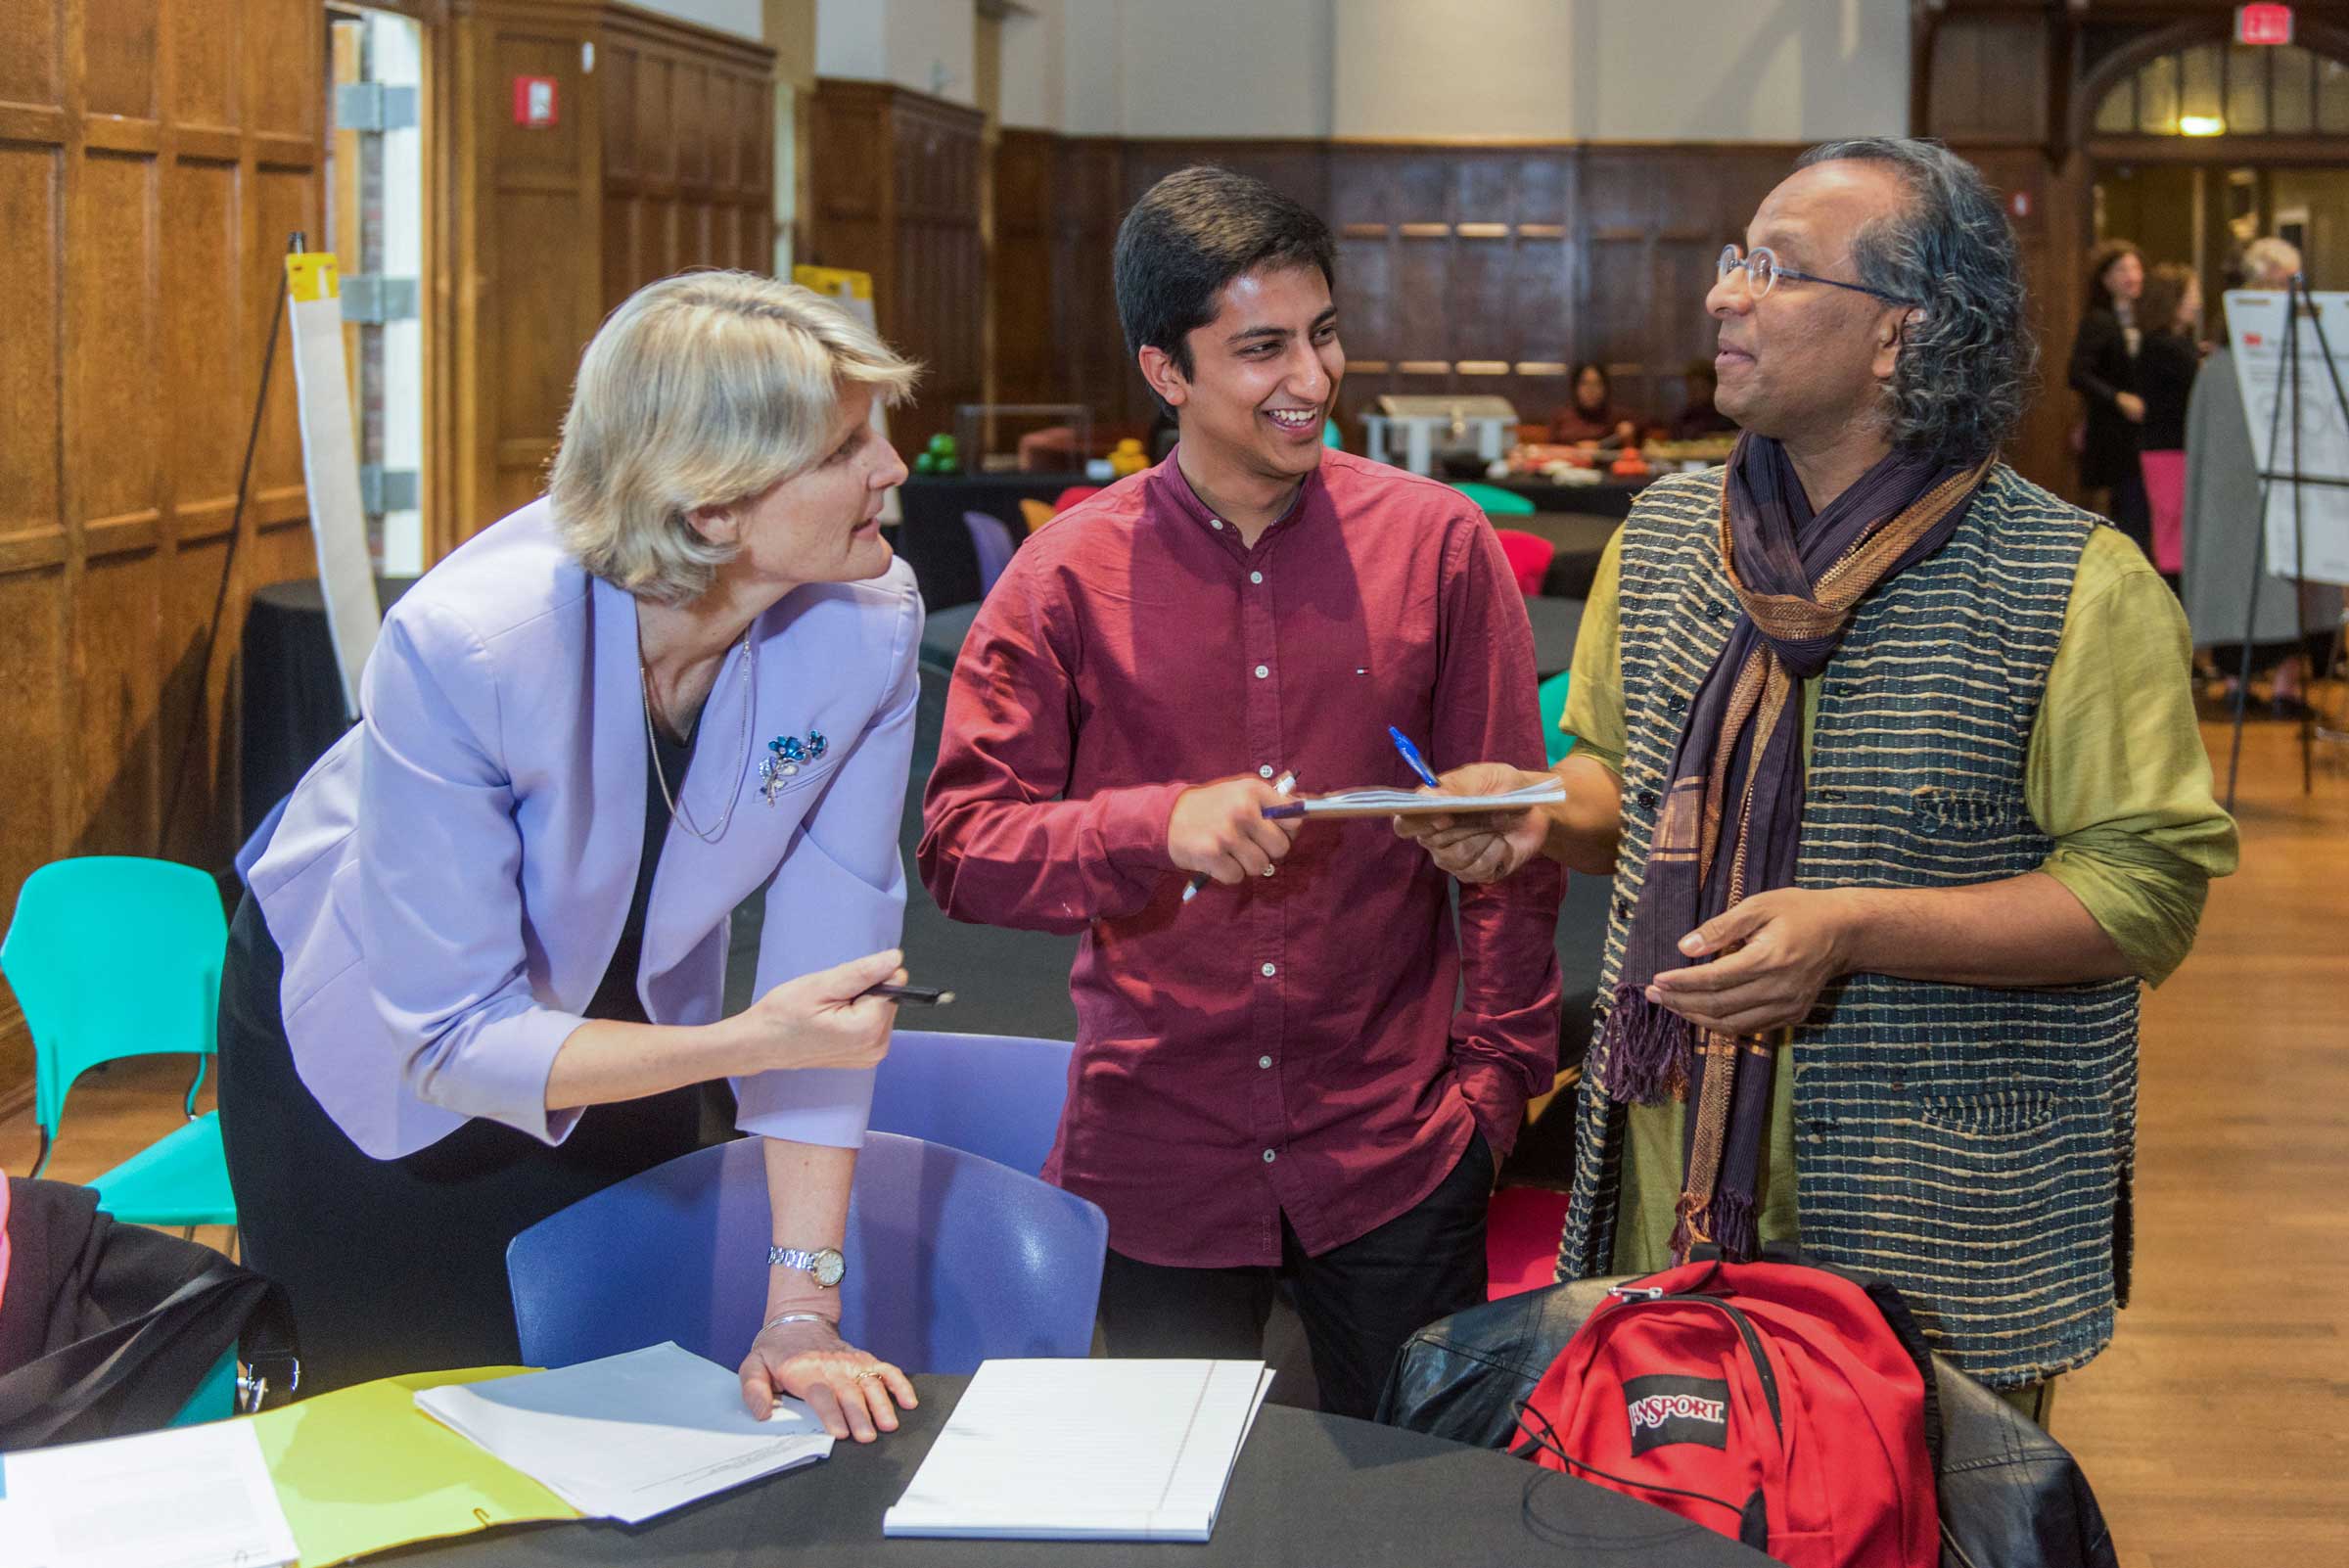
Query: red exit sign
(2263, 25)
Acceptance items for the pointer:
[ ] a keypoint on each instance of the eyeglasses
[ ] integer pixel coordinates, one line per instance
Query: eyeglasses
(1762, 270)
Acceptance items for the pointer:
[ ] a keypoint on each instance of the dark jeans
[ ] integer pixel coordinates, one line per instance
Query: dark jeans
(395, 1266)
(1360, 1301)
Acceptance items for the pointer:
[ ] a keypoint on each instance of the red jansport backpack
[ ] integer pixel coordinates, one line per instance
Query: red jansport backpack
(1780, 1403)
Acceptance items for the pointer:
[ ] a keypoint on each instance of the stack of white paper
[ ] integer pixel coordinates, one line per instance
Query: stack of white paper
(1411, 802)
(630, 1436)
(1086, 1449)
(194, 1496)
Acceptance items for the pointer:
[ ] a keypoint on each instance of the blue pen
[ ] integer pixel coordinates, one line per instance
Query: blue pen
(1410, 755)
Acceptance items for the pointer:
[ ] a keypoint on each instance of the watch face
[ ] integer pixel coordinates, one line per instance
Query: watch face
(830, 1268)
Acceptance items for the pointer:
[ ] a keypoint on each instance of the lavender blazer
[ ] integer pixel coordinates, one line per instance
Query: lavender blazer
(449, 882)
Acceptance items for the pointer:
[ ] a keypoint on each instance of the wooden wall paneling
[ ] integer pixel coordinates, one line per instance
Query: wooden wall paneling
(1088, 343)
(1983, 74)
(894, 184)
(1022, 288)
(139, 143)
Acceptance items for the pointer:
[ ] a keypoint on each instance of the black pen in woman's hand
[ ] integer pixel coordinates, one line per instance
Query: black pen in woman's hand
(916, 995)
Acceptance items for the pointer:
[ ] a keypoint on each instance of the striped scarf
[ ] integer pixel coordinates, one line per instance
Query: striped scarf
(1731, 823)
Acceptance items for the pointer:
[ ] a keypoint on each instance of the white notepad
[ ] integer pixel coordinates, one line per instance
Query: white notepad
(1085, 1451)
(1411, 802)
(191, 1497)
(630, 1436)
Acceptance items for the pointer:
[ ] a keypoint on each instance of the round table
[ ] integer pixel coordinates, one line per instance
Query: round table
(1308, 1489)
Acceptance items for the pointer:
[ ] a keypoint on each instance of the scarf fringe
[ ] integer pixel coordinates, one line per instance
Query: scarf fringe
(1647, 1049)
(1730, 1220)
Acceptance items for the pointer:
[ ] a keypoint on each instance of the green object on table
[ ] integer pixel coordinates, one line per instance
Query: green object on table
(1553, 705)
(362, 1469)
(113, 957)
(1496, 501)
(925, 462)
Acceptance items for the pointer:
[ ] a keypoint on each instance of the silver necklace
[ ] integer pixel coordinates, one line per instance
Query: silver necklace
(750, 711)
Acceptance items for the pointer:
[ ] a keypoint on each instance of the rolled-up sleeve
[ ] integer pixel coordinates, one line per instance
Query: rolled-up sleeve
(840, 894)
(2117, 773)
(439, 862)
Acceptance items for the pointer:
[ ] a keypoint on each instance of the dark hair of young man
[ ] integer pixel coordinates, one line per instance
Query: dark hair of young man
(1191, 234)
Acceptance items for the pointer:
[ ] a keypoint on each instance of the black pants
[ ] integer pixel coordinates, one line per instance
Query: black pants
(395, 1266)
(1360, 1301)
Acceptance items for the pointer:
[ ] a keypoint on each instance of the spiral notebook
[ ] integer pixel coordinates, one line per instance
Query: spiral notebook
(1085, 1451)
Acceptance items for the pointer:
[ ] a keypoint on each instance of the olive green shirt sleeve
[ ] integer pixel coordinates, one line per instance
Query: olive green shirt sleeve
(1593, 712)
(2117, 774)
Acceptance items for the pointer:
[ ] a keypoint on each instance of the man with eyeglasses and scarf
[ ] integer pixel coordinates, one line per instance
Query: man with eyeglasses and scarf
(1891, 757)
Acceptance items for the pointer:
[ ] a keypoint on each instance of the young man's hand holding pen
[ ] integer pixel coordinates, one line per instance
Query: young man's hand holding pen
(1220, 832)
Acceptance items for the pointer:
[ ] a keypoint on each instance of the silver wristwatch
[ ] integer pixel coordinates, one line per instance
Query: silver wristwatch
(825, 1262)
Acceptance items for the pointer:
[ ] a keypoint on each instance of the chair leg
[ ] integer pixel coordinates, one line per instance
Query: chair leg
(195, 1083)
(187, 1232)
(42, 1162)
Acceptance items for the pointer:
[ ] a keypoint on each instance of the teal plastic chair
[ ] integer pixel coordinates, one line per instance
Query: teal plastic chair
(1553, 706)
(1496, 501)
(113, 957)
(1330, 435)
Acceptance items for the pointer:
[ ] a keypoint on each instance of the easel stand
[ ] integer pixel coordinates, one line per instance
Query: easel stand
(2287, 389)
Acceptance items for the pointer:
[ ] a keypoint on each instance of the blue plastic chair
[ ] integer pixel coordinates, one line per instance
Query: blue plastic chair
(952, 1259)
(991, 537)
(113, 957)
(1494, 501)
(1554, 706)
(993, 1096)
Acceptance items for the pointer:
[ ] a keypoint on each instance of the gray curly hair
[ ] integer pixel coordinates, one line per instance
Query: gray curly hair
(1965, 368)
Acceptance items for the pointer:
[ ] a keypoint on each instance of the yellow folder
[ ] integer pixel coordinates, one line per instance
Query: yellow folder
(362, 1469)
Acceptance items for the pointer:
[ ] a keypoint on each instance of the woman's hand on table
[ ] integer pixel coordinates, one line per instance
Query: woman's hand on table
(851, 1392)
(823, 1019)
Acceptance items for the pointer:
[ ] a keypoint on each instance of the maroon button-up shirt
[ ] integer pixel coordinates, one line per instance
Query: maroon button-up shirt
(1290, 1046)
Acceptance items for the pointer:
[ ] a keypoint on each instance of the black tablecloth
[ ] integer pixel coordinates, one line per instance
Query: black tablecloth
(1308, 1489)
(932, 536)
(292, 695)
(1609, 497)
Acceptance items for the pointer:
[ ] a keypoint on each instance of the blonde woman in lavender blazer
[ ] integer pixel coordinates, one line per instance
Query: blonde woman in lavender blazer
(479, 973)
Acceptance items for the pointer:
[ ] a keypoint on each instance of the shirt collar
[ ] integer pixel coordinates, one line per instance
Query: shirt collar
(1172, 489)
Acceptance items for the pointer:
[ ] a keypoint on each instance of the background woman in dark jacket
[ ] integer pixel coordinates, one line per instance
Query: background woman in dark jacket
(2168, 358)
(2104, 371)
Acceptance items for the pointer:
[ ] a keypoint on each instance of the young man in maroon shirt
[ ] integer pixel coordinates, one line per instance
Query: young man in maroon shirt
(1304, 1071)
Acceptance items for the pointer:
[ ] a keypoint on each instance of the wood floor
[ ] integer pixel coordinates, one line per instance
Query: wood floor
(2216, 1430)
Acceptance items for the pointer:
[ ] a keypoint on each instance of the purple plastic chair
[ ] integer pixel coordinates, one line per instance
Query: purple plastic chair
(952, 1259)
(996, 1095)
(991, 537)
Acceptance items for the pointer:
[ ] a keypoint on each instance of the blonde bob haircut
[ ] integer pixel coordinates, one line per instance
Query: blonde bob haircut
(702, 390)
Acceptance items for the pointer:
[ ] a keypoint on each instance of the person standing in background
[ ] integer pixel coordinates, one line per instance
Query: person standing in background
(2167, 361)
(2103, 370)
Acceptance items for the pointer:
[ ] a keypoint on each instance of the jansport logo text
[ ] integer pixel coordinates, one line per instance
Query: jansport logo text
(1657, 1409)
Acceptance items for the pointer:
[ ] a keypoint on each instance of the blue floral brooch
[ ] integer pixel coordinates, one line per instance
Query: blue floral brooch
(785, 756)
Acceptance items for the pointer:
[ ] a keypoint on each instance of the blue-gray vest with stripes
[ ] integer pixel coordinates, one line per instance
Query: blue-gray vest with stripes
(1972, 1145)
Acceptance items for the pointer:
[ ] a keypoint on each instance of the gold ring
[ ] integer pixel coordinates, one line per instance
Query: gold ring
(870, 1371)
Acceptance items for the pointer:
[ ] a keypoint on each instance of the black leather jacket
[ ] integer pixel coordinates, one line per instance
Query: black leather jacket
(2010, 1496)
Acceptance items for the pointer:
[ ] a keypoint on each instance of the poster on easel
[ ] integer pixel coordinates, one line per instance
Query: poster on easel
(2316, 547)
(852, 292)
(330, 465)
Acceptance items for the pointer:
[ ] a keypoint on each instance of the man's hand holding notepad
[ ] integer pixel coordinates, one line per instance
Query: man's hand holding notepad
(1416, 803)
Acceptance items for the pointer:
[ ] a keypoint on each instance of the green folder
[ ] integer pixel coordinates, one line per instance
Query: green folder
(362, 1469)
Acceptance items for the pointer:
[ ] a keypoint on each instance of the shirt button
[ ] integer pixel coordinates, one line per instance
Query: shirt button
(1262, 671)
(1264, 771)
(1268, 1157)
(1271, 970)
(1263, 1061)
(1216, 522)
(1256, 577)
